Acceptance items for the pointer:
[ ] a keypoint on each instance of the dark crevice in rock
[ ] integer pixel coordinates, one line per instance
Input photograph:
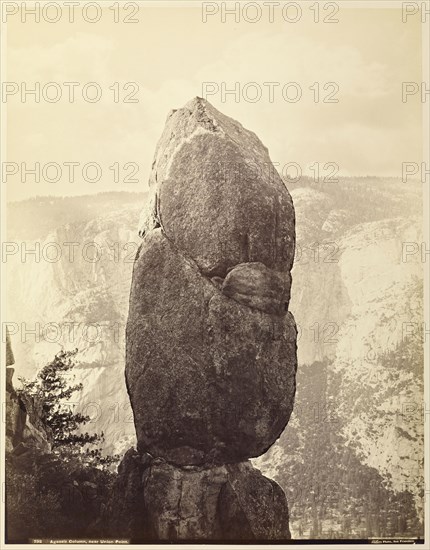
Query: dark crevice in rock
(218, 281)
(245, 247)
(187, 259)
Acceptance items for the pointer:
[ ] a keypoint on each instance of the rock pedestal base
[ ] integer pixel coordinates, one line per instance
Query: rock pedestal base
(159, 501)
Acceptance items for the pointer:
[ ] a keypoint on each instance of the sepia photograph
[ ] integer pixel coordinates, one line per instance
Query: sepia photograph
(214, 274)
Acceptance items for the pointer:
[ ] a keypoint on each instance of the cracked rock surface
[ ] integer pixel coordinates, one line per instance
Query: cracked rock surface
(211, 345)
(153, 500)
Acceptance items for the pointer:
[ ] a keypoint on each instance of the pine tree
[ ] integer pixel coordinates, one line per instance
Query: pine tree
(51, 389)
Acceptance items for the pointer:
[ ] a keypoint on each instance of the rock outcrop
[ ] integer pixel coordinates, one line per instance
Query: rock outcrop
(23, 427)
(211, 345)
(153, 500)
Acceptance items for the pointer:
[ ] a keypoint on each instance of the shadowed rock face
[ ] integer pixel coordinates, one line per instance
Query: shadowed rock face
(211, 346)
(225, 502)
(153, 500)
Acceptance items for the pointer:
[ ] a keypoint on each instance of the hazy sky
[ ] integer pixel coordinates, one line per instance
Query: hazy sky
(170, 53)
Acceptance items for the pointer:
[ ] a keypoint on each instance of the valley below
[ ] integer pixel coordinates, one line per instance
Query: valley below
(351, 458)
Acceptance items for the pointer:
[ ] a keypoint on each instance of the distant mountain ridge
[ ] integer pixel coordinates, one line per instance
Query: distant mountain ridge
(35, 218)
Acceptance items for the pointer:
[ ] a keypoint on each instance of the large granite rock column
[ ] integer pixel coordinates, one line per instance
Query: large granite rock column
(211, 345)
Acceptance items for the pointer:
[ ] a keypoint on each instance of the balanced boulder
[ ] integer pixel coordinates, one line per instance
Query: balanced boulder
(210, 343)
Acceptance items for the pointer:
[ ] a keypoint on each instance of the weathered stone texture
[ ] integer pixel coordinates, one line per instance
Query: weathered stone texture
(211, 345)
(154, 500)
